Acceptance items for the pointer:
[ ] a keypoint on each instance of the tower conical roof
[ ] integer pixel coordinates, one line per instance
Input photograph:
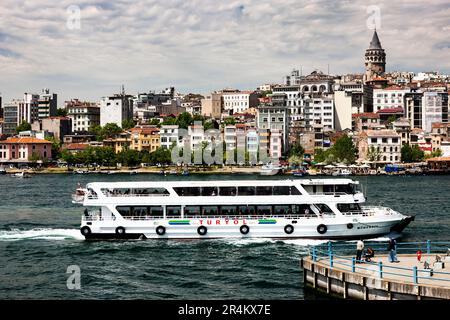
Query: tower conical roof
(375, 43)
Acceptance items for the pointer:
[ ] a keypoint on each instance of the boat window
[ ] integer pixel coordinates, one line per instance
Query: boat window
(264, 210)
(118, 192)
(192, 210)
(344, 188)
(228, 210)
(227, 191)
(264, 191)
(140, 211)
(324, 209)
(328, 188)
(349, 207)
(246, 191)
(247, 210)
(210, 210)
(187, 191)
(173, 211)
(209, 191)
(156, 211)
(282, 210)
(124, 211)
(281, 190)
(295, 191)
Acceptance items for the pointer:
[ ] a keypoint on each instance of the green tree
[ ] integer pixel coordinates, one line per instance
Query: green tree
(155, 122)
(109, 130)
(184, 120)
(128, 124)
(411, 154)
(35, 157)
(56, 146)
(169, 121)
(61, 112)
(344, 149)
(24, 126)
(230, 121)
(373, 154)
(297, 150)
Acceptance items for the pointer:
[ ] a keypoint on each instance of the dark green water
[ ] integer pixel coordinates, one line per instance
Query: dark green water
(39, 239)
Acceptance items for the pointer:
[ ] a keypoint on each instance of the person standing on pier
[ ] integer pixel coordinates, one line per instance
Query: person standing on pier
(359, 250)
(392, 248)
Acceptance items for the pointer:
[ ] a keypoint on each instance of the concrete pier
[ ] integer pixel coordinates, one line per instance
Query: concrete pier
(380, 279)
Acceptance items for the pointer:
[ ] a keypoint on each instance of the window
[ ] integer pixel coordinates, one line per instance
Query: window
(324, 209)
(187, 191)
(228, 210)
(349, 207)
(282, 210)
(173, 211)
(281, 190)
(384, 140)
(210, 191)
(227, 191)
(264, 210)
(210, 210)
(246, 191)
(373, 140)
(156, 211)
(192, 210)
(263, 191)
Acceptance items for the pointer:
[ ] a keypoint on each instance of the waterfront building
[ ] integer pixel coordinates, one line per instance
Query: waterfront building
(169, 136)
(403, 127)
(116, 109)
(22, 150)
(119, 143)
(196, 136)
(434, 108)
(78, 138)
(252, 144)
(144, 138)
(75, 148)
(84, 115)
(230, 137)
(28, 108)
(58, 126)
(273, 116)
(375, 59)
(387, 143)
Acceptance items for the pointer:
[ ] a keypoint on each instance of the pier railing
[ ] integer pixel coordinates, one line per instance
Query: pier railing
(341, 255)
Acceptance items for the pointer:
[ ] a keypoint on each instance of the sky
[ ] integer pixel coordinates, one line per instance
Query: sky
(88, 48)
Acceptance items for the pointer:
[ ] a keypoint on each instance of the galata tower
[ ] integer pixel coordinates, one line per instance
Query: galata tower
(375, 59)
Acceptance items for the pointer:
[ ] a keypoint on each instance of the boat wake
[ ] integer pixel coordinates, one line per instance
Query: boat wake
(40, 234)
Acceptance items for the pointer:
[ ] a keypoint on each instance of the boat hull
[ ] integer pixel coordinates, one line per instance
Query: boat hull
(346, 229)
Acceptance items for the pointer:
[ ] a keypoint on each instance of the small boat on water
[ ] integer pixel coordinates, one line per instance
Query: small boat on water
(2, 170)
(22, 174)
(269, 170)
(78, 196)
(342, 172)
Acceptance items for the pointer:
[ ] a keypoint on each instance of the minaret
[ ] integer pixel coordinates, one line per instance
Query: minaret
(375, 59)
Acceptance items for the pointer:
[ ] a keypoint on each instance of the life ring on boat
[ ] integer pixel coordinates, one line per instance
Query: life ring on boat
(120, 230)
(288, 228)
(160, 230)
(202, 230)
(321, 228)
(244, 229)
(349, 225)
(85, 231)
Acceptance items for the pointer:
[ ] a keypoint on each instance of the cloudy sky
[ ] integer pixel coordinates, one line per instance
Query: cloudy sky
(204, 45)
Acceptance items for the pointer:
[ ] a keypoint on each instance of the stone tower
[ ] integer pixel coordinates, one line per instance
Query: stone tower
(375, 59)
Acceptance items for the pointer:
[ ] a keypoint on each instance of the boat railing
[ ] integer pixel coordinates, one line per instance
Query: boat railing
(367, 211)
(229, 217)
(136, 195)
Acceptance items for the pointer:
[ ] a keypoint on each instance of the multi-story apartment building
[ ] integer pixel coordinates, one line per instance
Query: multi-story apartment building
(116, 109)
(58, 126)
(11, 117)
(47, 104)
(389, 98)
(84, 115)
(144, 138)
(28, 108)
(272, 114)
(239, 101)
(434, 109)
(119, 143)
(403, 128)
(169, 136)
(387, 143)
(252, 144)
(230, 137)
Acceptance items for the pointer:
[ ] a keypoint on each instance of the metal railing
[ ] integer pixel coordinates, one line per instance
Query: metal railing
(338, 254)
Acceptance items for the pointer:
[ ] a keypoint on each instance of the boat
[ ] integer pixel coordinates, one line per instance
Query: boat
(133, 172)
(269, 170)
(342, 172)
(78, 195)
(21, 174)
(281, 209)
(185, 173)
(2, 170)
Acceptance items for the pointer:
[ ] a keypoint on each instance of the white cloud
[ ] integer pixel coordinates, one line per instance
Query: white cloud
(202, 45)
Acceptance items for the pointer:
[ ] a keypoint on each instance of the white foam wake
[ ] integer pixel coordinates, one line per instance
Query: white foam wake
(41, 234)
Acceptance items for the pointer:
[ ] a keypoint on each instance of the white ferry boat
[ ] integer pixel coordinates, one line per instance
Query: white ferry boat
(306, 208)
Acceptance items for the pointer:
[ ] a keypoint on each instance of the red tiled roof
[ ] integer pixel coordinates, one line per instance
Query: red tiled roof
(144, 130)
(26, 140)
(391, 110)
(366, 115)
